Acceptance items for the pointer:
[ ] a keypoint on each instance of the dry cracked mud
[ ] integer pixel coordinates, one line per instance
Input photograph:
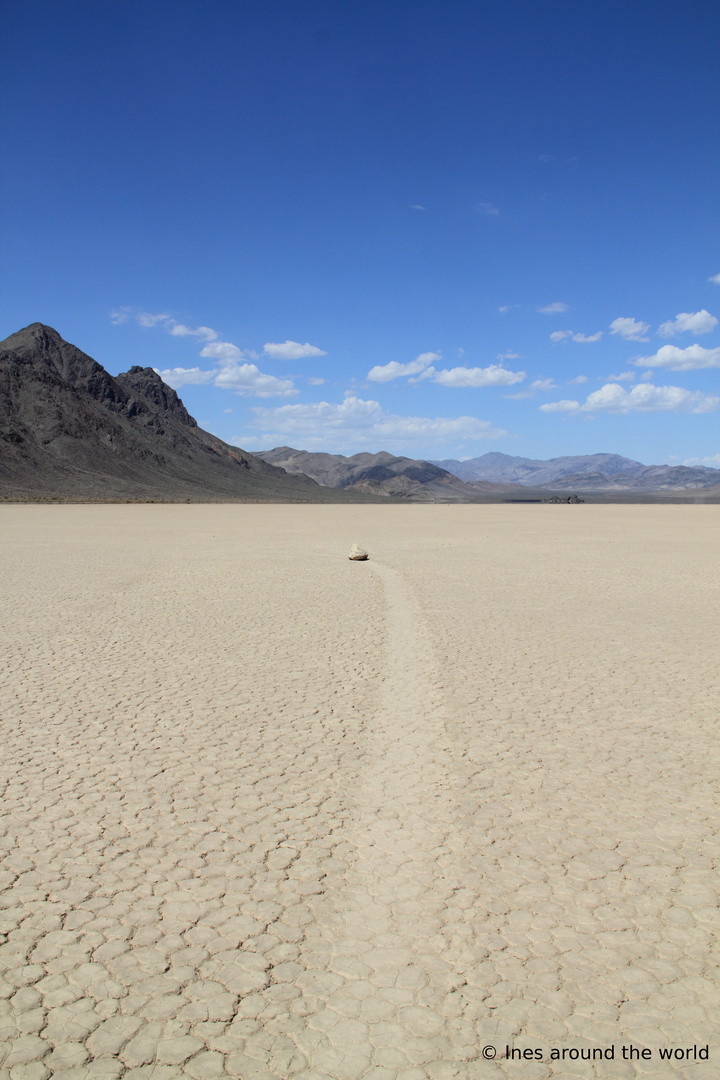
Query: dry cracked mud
(269, 814)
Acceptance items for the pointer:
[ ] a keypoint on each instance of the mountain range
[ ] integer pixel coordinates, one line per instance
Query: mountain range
(590, 472)
(70, 430)
(384, 474)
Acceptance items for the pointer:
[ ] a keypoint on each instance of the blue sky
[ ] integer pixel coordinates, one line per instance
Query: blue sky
(433, 228)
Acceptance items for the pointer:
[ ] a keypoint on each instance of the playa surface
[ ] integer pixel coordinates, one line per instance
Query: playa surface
(267, 813)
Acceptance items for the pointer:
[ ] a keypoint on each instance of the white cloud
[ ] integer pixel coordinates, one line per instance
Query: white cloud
(233, 372)
(567, 335)
(228, 410)
(489, 208)
(533, 388)
(629, 329)
(624, 376)
(587, 338)
(695, 322)
(647, 376)
(554, 309)
(711, 462)
(422, 368)
(177, 377)
(148, 320)
(180, 330)
(244, 379)
(644, 397)
(357, 423)
(223, 350)
(578, 380)
(417, 206)
(715, 278)
(291, 350)
(493, 375)
(314, 381)
(394, 370)
(247, 380)
(509, 355)
(560, 406)
(692, 358)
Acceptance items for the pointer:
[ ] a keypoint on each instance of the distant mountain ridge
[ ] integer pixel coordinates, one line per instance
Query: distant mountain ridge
(588, 472)
(70, 430)
(381, 474)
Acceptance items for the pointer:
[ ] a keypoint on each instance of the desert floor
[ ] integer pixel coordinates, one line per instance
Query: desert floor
(268, 813)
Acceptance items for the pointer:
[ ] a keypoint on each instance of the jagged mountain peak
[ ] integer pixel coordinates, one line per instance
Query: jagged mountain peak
(145, 382)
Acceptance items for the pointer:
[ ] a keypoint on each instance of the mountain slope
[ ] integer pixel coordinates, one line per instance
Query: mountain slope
(69, 429)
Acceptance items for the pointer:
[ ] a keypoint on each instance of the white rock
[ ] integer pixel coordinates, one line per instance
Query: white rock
(357, 554)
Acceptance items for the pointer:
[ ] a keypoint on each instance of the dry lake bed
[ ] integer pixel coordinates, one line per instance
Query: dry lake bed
(267, 813)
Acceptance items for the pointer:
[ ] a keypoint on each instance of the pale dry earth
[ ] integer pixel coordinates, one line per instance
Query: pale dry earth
(269, 814)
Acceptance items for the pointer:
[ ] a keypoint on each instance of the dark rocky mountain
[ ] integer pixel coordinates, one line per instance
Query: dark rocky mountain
(70, 430)
(383, 474)
(591, 472)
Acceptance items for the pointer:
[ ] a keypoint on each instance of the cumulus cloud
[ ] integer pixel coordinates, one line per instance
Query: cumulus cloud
(715, 279)
(232, 372)
(243, 378)
(177, 376)
(314, 381)
(247, 380)
(687, 322)
(533, 388)
(560, 406)
(630, 329)
(624, 376)
(394, 370)
(587, 338)
(422, 368)
(180, 330)
(554, 309)
(509, 355)
(358, 423)
(692, 358)
(578, 380)
(568, 335)
(146, 319)
(493, 375)
(644, 397)
(291, 350)
(223, 350)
